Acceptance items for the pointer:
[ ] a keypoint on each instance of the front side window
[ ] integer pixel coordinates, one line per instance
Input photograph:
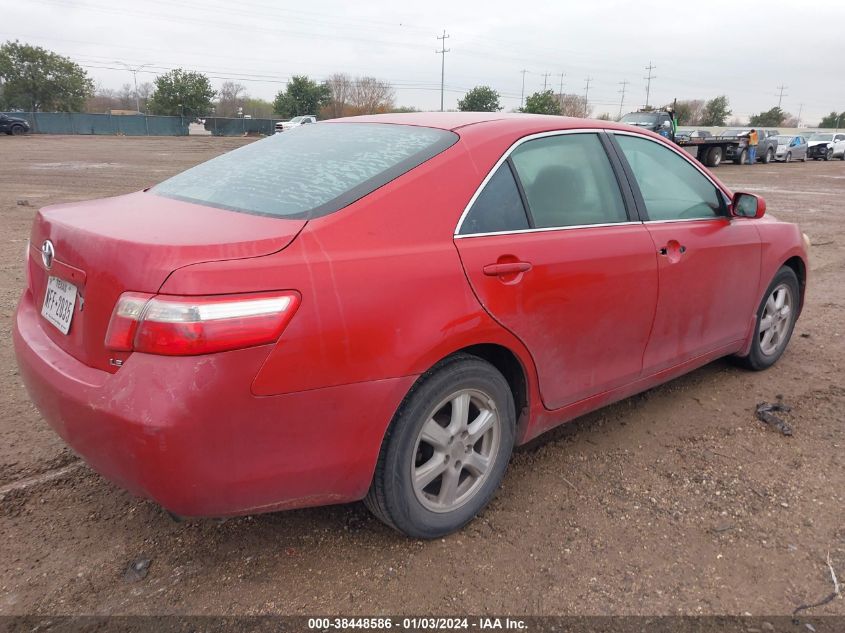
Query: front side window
(568, 181)
(671, 187)
(498, 207)
(311, 171)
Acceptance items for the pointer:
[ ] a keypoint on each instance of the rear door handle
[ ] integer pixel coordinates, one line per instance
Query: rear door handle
(508, 268)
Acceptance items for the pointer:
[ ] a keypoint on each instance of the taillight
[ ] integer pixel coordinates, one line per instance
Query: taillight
(185, 326)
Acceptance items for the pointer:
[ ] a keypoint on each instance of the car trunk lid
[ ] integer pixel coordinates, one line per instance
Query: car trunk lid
(133, 243)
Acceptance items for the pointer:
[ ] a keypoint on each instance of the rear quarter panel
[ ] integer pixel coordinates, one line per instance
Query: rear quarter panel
(383, 291)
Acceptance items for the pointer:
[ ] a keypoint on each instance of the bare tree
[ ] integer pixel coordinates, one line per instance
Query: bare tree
(104, 99)
(232, 97)
(126, 97)
(340, 85)
(573, 105)
(144, 91)
(372, 96)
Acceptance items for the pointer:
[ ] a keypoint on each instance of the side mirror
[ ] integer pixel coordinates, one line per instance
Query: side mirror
(747, 205)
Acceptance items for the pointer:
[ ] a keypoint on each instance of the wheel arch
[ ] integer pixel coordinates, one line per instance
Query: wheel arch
(799, 267)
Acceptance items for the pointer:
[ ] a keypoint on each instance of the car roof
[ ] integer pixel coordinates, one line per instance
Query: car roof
(513, 121)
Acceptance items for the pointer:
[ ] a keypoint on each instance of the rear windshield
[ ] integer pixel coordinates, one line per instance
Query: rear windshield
(309, 171)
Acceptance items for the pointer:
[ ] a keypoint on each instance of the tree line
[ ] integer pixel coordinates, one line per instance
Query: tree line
(35, 79)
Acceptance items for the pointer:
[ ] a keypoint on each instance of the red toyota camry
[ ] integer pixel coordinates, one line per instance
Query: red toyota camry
(380, 308)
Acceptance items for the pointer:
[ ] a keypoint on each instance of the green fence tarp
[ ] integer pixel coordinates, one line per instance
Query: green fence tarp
(220, 126)
(112, 124)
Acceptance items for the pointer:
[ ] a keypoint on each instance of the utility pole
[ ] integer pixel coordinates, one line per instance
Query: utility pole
(443, 50)
(546, 80)
(781, 95)
(522, 96)
(135, 70)
(624, 85)
(800, 110)
(586, 95)
(649, 68)
(562, 75)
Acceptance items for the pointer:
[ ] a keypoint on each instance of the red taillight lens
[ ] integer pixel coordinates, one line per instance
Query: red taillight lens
(185, 326)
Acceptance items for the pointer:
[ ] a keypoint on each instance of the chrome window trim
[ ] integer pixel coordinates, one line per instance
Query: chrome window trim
(502, 159)
(546, 229)
(692, 161)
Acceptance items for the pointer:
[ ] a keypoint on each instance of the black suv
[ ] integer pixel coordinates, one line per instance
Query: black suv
(13, 125)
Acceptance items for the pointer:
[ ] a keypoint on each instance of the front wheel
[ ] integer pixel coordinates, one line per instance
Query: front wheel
(17, 130)
(828, 155)
(776, 318)
(446, 450)
(789, 157)
(740, 160)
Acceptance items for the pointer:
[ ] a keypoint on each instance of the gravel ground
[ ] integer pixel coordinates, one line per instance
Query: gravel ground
(675, 501)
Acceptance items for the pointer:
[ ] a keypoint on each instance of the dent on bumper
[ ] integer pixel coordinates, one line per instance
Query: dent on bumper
(187, 433)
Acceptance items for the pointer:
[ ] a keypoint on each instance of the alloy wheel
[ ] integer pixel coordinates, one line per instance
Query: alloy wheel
(776, 319)
(455, 450)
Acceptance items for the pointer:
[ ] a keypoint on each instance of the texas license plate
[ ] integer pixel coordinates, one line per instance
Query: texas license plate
(58, 303)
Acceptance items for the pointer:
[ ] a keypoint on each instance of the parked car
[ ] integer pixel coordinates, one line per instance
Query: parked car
(827, 145)
(766, 145)
(381, 307)
(13, 125)
(686, 135)
(790, 148)
(296, 121)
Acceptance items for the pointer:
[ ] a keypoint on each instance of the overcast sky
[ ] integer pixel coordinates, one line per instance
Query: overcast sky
(744, 49)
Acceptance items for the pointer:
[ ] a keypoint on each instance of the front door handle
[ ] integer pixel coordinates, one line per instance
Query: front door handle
(506, 268)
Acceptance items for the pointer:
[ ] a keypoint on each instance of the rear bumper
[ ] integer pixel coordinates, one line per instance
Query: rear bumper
(187, 433)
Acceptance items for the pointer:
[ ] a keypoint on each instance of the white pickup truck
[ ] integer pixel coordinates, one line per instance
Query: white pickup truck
(296, 121)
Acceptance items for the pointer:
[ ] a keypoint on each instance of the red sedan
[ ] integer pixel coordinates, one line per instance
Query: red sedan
(380, 308)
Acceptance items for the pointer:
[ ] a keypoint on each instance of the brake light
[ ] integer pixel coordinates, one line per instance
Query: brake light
(186, 326)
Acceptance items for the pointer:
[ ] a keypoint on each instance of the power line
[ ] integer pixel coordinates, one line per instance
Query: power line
(781, 95)
(649, 68)
(624, 85)
(442, 52)
(586, 95)
(134, 70)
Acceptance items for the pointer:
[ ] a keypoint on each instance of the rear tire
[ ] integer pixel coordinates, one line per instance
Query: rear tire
(713, 157)
(776, 318)
(446, 450)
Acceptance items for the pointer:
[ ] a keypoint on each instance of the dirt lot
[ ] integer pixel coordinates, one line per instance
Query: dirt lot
(676, 501)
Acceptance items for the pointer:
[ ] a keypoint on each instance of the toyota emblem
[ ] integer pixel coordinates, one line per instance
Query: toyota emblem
(47, 253)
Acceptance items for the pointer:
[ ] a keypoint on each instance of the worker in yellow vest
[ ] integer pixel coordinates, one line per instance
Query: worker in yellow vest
(752, 146)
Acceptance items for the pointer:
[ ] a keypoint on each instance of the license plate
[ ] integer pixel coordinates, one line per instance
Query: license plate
(58, 303)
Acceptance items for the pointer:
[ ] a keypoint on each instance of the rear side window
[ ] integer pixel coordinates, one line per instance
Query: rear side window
(498, 207)
(568, 181)
(308, 171)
